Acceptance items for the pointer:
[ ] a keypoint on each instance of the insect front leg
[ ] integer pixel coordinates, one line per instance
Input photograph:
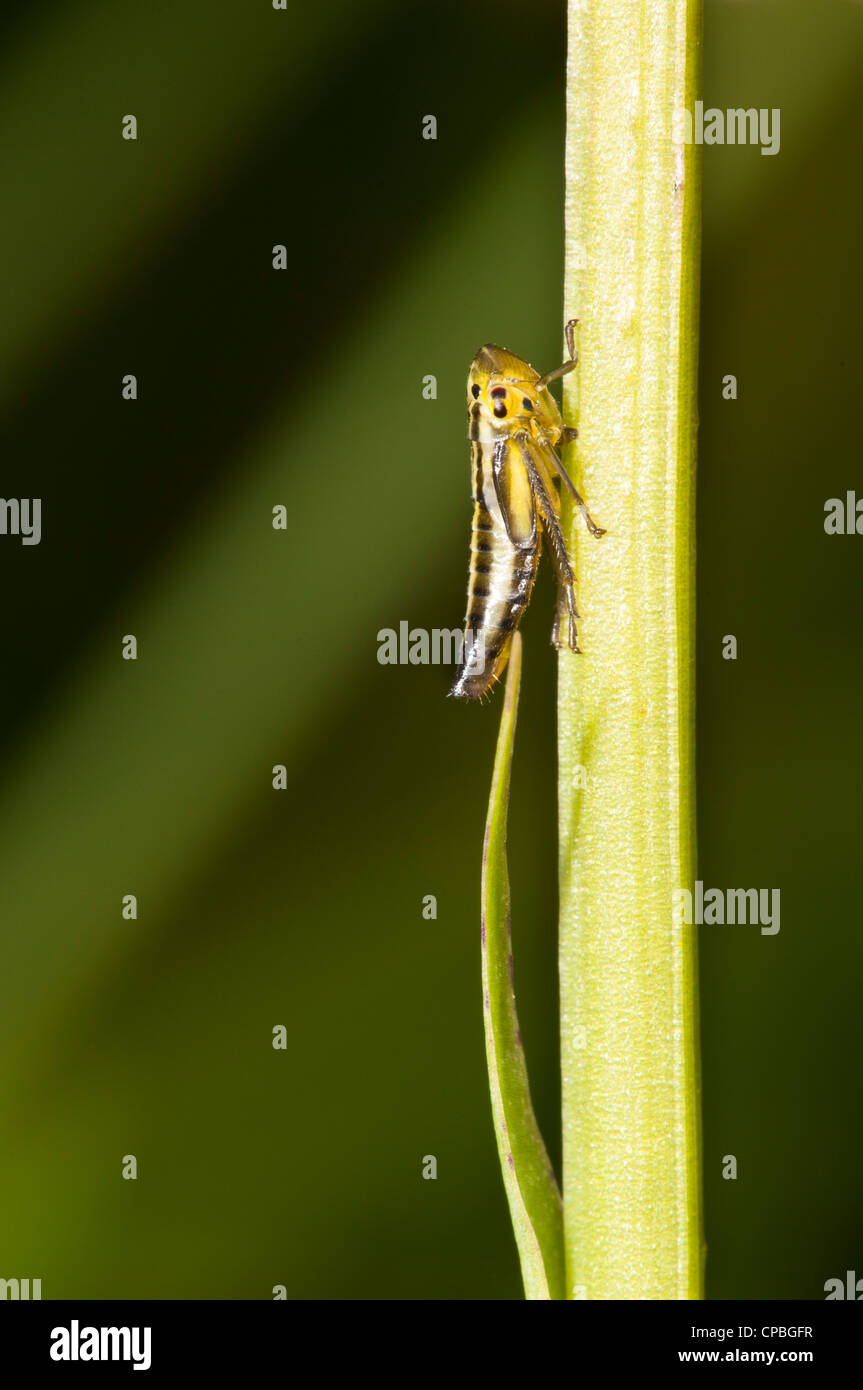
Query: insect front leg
(569, 433)
(569, 332)
(567, 367)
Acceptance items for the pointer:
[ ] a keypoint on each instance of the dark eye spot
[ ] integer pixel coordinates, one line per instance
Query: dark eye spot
(499, 409)
(499, 391)
(527, 404)
(475, 389)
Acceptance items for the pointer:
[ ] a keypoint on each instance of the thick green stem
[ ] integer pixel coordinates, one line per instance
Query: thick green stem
(631, 1127)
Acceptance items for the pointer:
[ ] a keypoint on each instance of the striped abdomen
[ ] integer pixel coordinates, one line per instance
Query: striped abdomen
(502, 571)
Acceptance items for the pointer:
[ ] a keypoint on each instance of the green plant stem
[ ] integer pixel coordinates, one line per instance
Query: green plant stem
(630, 1083)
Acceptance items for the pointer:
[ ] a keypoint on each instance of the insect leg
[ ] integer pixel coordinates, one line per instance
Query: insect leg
(547, 510)
(567, 366)
(576, 495)
(565, 597)
(565, 604)
(569, 432)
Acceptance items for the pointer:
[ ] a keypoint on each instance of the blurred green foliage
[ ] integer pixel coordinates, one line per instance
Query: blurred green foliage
(256, 647)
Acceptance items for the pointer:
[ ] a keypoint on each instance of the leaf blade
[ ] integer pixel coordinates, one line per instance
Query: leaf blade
(531, 1188)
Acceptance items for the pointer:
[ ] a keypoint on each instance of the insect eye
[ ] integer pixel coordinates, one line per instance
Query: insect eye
(475, 390)
(527, 404)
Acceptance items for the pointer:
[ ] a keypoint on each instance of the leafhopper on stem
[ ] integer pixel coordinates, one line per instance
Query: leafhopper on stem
(515, 426)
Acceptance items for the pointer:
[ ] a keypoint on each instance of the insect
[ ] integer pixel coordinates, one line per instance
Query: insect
(514, 425)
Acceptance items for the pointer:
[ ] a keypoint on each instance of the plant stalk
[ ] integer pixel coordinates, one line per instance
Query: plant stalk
(630, 1071)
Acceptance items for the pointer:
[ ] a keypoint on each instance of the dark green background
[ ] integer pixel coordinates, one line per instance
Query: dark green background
(258, 647)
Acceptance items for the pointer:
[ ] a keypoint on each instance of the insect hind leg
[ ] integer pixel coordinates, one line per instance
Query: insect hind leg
(566, 609)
